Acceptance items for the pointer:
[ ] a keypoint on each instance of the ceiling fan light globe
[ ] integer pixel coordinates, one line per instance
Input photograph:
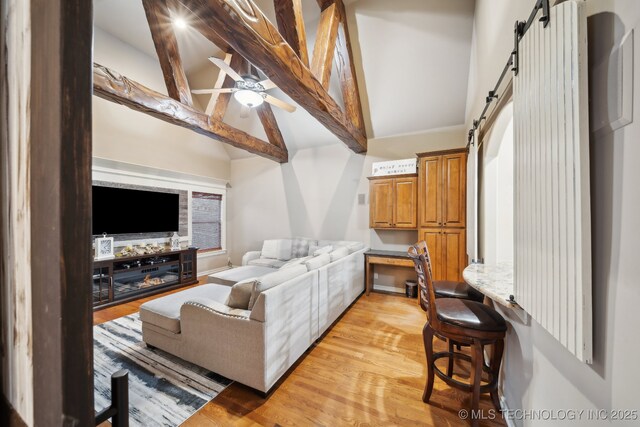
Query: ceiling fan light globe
(248, 98)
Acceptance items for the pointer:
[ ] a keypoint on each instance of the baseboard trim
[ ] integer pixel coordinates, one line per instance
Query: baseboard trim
(212, 271)
(391, 289)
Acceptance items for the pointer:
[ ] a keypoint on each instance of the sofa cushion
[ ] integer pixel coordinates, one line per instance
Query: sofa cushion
(165, 312)
(266, 262)
(295, 261)
(319, 250)
(240, 294)
(300, 246)
(234, 275)
(271, 280)
(318, 261)
(341, 252)
(277, 249)
(353, 246)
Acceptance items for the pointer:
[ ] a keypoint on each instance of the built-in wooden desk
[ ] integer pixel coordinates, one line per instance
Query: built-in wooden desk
(373, 257)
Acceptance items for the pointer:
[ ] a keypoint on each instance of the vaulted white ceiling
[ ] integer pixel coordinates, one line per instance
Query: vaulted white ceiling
(412, 57)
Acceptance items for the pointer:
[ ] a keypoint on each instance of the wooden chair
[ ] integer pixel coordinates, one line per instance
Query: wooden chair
(445, 288)
(460, 321)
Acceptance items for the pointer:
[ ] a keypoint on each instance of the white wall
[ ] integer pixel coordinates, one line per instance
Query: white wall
(496, 194)
(316, 195)
(122, 134)
(135, 141)
(539, 373)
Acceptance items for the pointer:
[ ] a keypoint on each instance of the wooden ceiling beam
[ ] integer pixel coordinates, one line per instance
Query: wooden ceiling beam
(195, 22)
(325, 45)
(249, 32)
(110, 85)
(325, 3)
(270, 125)
(345, 66)
(347, 73)
(291, 26)
(164, 39)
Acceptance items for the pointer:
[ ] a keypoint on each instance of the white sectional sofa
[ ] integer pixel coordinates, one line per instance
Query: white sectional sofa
(289, 308)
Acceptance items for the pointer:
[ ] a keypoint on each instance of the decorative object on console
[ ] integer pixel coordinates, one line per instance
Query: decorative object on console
(175, 242)
(103, 247)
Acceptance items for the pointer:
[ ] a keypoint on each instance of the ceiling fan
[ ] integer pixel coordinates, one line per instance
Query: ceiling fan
(249, 90)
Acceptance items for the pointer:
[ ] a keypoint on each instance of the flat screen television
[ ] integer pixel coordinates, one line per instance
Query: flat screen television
(125, 211)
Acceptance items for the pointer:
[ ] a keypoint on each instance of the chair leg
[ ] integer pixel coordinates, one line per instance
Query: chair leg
(477, 361)
(450, 365)
(496, 359)
(427, 334)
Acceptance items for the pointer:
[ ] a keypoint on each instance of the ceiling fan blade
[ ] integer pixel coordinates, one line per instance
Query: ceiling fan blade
(244, 111)
(226, 68)
(278, 103)
(221, 90)
(267, 84)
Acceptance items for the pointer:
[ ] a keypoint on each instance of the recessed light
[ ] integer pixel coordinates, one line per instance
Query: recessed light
(180, 23)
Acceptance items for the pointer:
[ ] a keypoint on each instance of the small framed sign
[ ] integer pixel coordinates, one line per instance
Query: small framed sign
(103, 247)
(394, 167)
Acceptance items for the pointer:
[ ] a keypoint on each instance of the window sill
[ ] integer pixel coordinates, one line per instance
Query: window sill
(208, 254)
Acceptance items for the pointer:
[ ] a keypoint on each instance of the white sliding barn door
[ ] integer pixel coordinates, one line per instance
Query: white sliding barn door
(552, 202)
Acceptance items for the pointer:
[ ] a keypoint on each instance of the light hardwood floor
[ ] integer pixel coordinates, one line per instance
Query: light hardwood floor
(368, 369)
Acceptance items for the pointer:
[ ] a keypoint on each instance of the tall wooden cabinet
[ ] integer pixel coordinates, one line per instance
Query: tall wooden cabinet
(393, 202)
(442, 180)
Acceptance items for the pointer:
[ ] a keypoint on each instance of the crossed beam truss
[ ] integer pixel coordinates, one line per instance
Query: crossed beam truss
(241, 30)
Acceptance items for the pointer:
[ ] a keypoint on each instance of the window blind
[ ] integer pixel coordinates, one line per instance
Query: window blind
(206, 220)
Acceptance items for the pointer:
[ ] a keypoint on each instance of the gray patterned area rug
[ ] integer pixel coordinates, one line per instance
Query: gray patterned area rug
(163, 389)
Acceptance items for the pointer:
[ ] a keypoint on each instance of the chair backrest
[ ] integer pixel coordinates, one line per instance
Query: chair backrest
(423, 249)
(422, 264)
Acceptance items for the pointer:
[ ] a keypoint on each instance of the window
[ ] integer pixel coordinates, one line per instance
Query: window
(206, 220)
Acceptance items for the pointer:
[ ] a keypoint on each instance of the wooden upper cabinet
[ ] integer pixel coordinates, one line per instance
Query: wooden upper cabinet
(381, 203)
(405, 206)
(430, 191)
(454, 168)
(393, 202)
(442, 211)
(442, 193)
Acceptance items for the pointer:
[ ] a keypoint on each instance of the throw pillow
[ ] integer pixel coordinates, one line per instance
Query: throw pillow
(276, 249)
(300, 247)
(341, 252)
(295, 261)
(323, 250)
(318, 261)
(271, 280)
(240, 294)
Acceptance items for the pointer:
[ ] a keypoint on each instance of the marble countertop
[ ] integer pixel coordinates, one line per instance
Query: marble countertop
(495, 281)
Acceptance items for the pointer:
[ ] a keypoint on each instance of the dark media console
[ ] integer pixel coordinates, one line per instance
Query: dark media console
(123, 279)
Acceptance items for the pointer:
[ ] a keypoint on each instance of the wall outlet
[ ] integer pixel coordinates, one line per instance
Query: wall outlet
(375, 275)
(361, 199)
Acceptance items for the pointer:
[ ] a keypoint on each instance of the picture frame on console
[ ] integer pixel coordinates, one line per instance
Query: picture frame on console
(104, 248)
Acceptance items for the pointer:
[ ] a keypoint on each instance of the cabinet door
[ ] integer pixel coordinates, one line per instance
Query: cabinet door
(381, 203)
(433, 237)
(454, 209)
(430, 191)
(405, 197)
(188, 268)
(454, 254)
